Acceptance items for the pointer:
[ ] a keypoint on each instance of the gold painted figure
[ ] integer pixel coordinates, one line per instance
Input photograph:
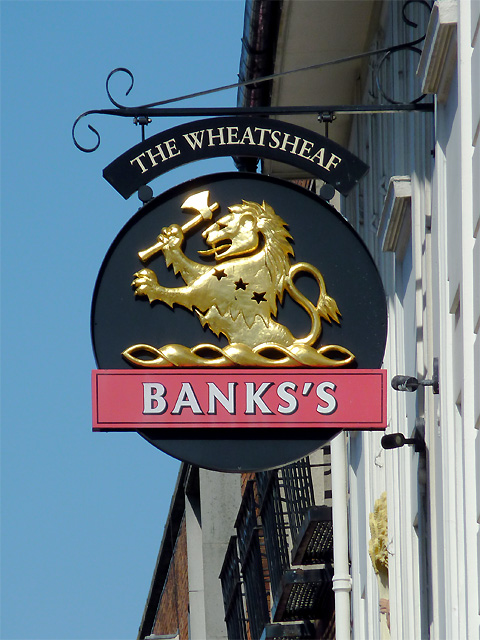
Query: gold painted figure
(237, 297)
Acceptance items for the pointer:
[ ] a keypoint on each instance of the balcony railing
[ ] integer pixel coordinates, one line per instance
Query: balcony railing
(252, 563)
(298, 488)
(232, 593)
(285, 548)
(274, 525)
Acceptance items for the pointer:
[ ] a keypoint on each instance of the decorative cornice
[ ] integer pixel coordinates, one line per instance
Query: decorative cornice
(396, 211)
(439, 56)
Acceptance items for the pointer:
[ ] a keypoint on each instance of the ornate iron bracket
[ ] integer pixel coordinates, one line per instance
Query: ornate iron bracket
(408, 46)
(143, 114)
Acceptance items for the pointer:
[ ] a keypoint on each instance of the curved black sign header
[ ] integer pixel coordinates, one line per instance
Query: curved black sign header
(238, 137)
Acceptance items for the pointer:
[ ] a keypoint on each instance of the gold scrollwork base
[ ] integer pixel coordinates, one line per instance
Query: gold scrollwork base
(263, 355)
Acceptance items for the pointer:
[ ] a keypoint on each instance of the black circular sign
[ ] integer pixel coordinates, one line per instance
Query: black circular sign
(320, 237)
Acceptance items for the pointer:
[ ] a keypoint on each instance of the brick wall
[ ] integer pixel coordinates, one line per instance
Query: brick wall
(172, 611)
(245, 478)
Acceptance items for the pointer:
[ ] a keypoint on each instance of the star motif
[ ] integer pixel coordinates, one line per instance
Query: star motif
(258, 297)
(240, 284)
(219, 274)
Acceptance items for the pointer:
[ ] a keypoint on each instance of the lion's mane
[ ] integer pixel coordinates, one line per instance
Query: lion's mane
(277, 248)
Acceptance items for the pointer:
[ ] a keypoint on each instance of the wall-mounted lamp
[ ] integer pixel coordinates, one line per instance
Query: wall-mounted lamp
(408, 383)
(397, 440)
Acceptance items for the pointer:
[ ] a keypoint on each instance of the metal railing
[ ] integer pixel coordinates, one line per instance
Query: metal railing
(232, 593)
(252, 563)
(298, 489)
(279, 529)
(273, 516)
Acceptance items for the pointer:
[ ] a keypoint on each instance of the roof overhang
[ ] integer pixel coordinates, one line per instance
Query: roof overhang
(311, 33)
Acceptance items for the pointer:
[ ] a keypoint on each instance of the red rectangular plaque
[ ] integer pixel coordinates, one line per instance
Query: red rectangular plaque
(132, 400)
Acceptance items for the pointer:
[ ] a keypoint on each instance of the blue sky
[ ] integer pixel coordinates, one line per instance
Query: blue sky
(82, 513)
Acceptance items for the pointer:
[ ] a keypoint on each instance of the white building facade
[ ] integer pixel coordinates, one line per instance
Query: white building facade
(426, 245)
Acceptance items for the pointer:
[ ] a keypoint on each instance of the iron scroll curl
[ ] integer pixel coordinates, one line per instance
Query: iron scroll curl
(121, 110)
(132, 82)
(408, 46)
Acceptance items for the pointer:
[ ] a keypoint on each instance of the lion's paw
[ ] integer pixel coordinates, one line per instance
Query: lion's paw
(171, 237)
(146, 284)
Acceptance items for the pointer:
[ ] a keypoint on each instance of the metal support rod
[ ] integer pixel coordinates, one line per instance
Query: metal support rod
(169, 112)
(138, 113)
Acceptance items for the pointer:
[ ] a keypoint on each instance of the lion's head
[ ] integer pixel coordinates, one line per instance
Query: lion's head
(240, 233)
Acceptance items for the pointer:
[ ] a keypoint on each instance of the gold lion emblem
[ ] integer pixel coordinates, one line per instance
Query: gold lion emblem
(238, 295)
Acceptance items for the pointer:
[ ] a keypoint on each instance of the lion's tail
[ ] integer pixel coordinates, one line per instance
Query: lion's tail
(325, 308)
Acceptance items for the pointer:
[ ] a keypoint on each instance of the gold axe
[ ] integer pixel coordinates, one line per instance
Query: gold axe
(199, 202)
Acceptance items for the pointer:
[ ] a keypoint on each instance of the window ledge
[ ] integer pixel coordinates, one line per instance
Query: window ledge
(394, 227)
(439, 55)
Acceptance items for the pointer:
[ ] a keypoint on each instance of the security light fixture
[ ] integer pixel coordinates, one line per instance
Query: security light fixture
(397, 440)
(405, 383)
(409, 383)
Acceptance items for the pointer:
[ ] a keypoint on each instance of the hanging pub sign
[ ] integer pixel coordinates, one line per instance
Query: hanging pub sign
(238, 321)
